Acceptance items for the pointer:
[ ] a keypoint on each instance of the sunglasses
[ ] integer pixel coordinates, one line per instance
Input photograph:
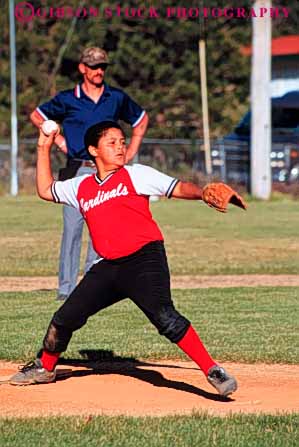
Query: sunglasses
(96, 67)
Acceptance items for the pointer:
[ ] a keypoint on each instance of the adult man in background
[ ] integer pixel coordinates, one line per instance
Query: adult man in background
(77, 109)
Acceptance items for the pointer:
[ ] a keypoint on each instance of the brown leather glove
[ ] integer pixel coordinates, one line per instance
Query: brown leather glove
(219, 195)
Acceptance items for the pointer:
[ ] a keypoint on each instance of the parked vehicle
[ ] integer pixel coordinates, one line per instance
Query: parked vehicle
(231, 155)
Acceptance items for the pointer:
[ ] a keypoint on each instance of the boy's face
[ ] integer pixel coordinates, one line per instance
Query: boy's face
(111, 149)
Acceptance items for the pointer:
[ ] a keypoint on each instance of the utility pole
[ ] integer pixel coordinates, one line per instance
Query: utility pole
(204, 93)
(204, 104)
(261, 104)
(13, 95)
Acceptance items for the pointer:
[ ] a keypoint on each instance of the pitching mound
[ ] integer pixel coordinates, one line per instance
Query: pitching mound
(149, 388)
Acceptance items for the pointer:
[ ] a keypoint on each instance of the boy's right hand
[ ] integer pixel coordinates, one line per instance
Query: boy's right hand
(47, 141)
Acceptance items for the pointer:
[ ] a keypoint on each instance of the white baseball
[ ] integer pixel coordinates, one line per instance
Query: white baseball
(48, 127)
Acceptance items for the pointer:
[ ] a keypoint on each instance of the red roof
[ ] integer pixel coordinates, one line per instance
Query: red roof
(281, 46)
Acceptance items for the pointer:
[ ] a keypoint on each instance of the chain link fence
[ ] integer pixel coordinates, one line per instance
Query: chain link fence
(184, 158)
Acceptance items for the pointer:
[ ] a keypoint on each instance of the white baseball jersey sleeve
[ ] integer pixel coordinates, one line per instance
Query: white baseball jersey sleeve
(150, 182)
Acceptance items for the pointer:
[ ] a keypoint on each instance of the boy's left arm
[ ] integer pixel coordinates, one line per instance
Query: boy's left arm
(187, 191)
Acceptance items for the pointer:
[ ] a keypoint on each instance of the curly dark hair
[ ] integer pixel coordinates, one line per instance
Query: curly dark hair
(95, 132)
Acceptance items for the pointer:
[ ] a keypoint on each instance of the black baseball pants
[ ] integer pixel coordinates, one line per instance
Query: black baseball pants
(142, 276)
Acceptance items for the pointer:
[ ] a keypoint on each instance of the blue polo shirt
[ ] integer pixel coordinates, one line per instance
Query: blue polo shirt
(77, 112)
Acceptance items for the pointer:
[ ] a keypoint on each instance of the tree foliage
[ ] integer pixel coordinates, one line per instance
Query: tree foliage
(154, 59)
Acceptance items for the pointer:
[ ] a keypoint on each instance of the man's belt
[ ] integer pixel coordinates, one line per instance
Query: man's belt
(86, 163)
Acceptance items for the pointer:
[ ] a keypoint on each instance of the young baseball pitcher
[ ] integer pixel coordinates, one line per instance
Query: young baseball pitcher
(115, 205)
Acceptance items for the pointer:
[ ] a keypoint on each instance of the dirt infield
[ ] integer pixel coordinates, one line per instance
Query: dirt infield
(27, 283)
(150, 388)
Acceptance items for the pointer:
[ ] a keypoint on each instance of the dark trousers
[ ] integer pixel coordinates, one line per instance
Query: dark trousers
(142, 276)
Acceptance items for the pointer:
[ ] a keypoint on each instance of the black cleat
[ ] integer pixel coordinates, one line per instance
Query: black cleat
(222, 381)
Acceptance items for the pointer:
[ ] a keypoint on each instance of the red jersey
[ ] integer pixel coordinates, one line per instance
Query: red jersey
(116, 209)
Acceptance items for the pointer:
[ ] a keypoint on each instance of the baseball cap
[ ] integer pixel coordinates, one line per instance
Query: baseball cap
(94, 132)
(92, 56)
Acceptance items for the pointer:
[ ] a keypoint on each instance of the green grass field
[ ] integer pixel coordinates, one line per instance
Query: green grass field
(196, 430)
(245, 324)
(199, 240)
(241, 324)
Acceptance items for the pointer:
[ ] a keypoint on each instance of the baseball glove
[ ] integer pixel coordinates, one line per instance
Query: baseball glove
(219, 195)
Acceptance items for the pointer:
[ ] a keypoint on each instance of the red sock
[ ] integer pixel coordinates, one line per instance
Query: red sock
(194, 348)
(49, 359)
